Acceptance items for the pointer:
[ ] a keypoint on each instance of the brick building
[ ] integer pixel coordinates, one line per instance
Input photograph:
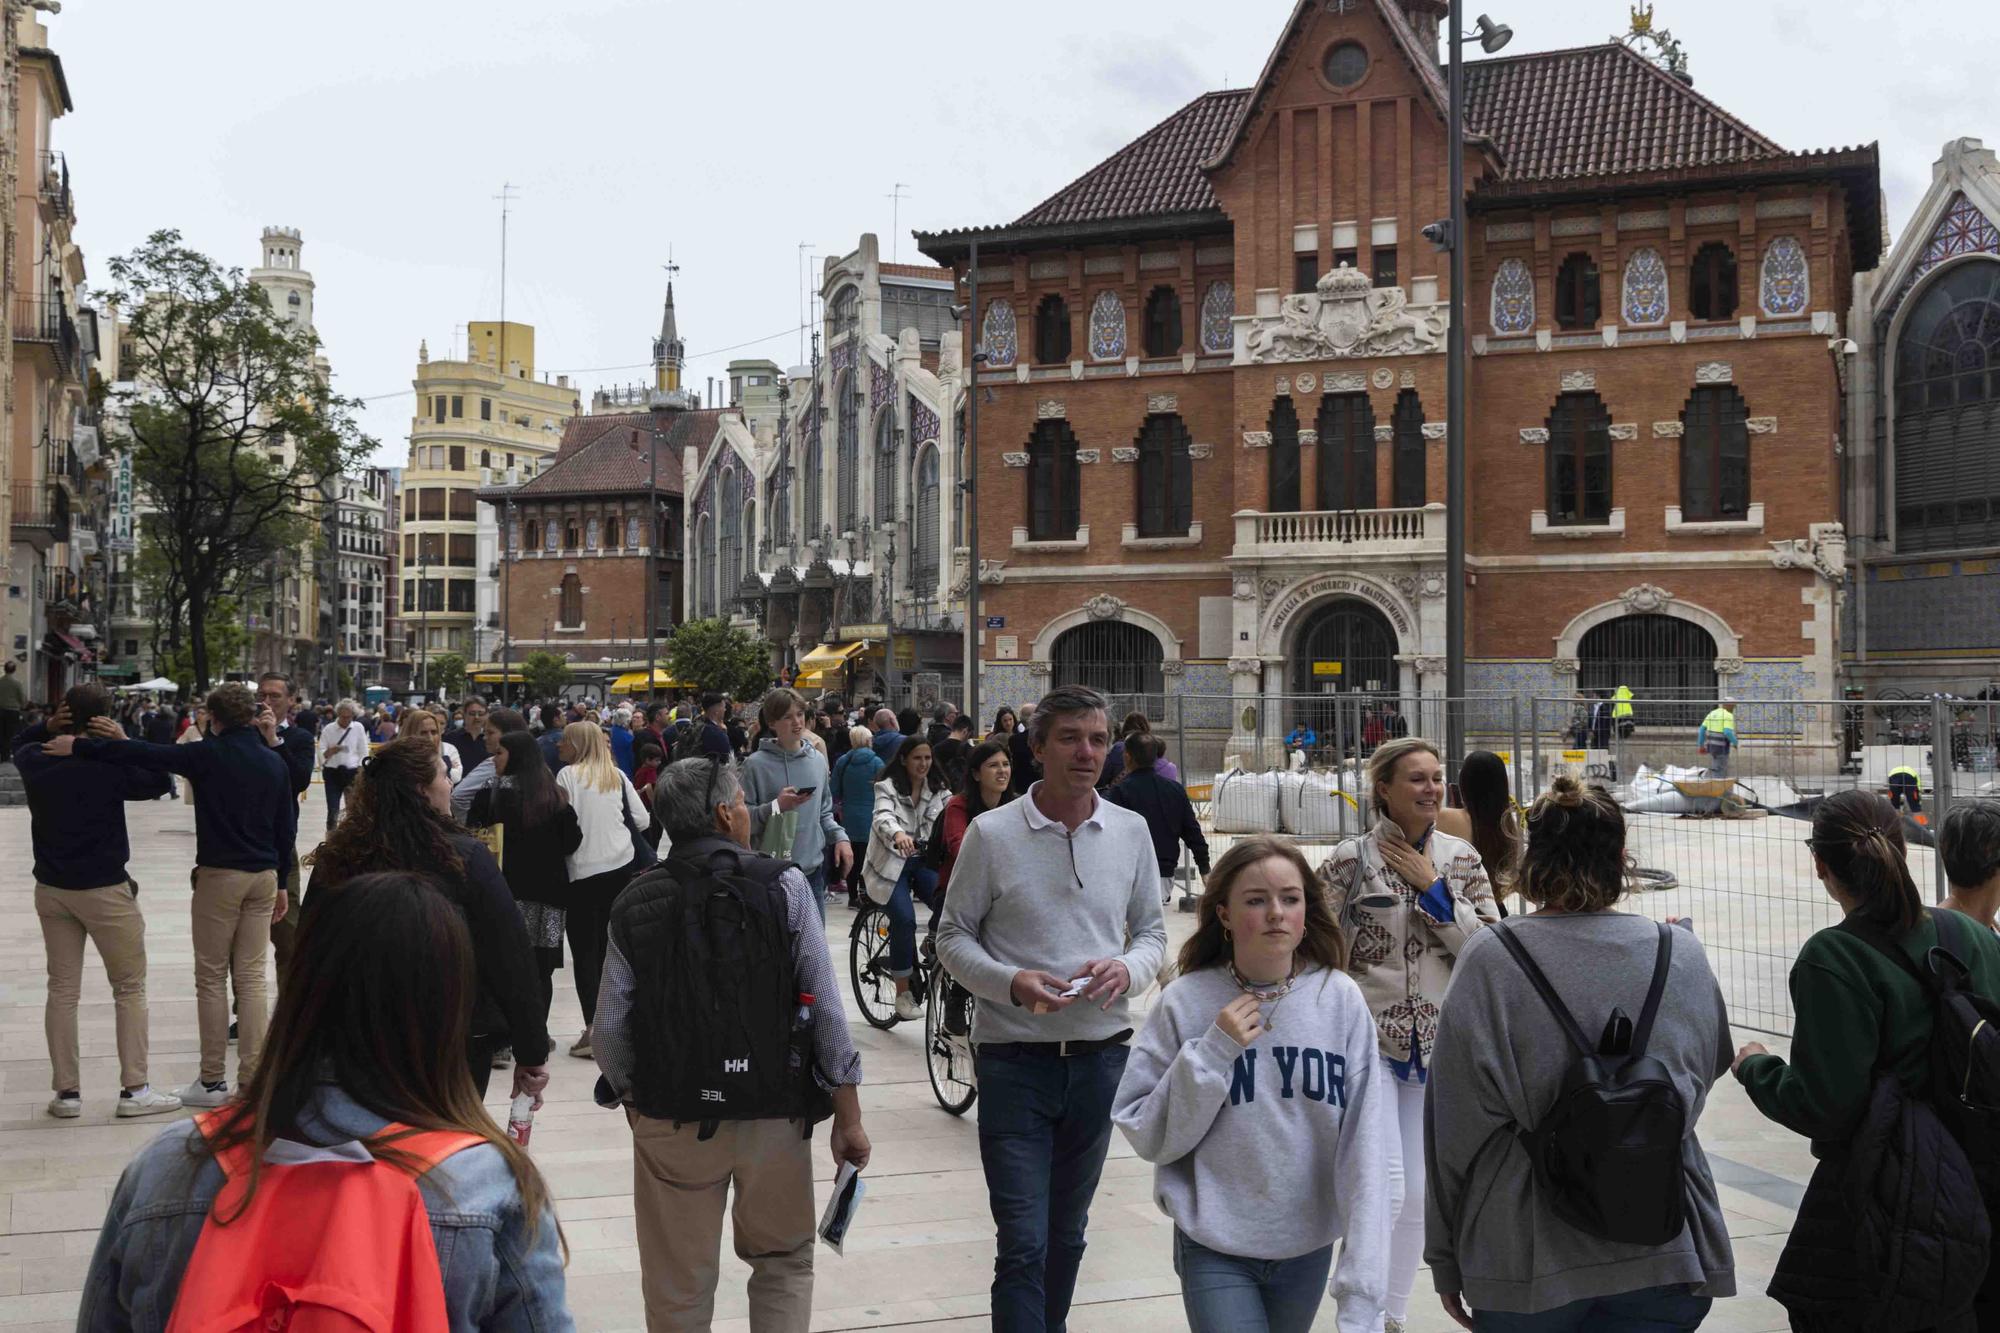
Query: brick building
(1211, 461)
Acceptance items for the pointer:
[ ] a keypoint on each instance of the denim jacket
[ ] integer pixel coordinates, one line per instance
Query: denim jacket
(495, 1277)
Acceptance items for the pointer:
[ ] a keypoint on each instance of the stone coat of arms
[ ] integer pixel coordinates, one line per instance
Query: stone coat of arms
(1345, 316)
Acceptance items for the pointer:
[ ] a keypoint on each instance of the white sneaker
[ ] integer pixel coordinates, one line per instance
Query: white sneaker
(198, 1093)
(1392, 1325)
(65, 1108)
(147, 1102)
(907, 1008)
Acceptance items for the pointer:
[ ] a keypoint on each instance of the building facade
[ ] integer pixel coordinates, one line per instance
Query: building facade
(477, 420)
(1214, 441)
(1923, 469)
(356, 575)
(824, 515)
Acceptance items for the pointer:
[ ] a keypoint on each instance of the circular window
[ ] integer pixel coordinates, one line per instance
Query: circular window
(1346, 65)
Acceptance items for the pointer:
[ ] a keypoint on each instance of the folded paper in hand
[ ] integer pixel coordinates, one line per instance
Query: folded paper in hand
(848, 1187)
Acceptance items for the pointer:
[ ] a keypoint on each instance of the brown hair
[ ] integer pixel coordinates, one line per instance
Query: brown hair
(1575, 859)
(1322, 942)
(1858, 836)
(1382, 763)
(780, 702)
(232, 705)
(1135, 724)
(415, 718)
(390, 823)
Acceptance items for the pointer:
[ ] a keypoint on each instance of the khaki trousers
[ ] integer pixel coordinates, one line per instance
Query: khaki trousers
(231, 915)
(110, 918)
(679, 1185)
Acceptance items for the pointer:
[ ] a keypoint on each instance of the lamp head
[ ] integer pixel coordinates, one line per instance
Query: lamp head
(1492, 36)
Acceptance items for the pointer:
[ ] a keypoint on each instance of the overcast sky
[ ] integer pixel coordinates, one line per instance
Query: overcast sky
(731, 133)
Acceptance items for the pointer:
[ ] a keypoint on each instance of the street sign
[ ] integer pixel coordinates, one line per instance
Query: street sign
(996, 622)
(1327, 668)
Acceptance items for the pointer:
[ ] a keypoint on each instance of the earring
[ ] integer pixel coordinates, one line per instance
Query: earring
(1225, 934)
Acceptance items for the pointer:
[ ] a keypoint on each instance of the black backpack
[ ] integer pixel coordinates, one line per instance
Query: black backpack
(1608, 1150)
(714, 1015)
(1965, 1041)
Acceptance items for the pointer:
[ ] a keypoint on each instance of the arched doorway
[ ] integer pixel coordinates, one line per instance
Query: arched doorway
(1344, 648)
(1668, 662)
(1947, 368)
(1121, 661)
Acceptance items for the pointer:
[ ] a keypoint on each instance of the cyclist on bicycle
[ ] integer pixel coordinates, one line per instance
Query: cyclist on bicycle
(907, 805)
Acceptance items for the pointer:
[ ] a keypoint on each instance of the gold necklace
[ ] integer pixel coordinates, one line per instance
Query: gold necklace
(1265, 996)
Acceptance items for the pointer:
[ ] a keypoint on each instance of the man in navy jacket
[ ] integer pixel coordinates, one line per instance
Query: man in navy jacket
(246, 827)
(276, 693)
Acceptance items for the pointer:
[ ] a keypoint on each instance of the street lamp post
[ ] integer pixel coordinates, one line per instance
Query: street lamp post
(506, 600)
(969, 484)
(652, 553)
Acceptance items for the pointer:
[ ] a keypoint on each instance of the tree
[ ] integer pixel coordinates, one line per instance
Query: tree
(718, 656)
(447, 673)
(223, 636)
(234, 432)
(544, 674)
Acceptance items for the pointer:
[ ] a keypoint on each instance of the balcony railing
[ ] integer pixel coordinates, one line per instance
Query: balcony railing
(42, 319)
(1349, 531)
(39, 507)
(53, 186)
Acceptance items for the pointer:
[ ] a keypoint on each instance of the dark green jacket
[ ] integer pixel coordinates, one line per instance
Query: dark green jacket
(1856, 1009)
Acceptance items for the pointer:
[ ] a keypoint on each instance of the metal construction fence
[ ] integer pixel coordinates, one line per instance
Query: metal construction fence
(1720, 842)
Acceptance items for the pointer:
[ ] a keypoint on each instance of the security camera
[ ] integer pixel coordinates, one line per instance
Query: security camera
(958, 313)
(1439, 233)
(1842, 346)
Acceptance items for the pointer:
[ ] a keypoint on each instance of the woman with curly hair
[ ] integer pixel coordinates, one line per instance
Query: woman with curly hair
(398, 818)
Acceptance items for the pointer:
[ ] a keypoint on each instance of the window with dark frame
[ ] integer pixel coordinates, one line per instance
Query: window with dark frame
(1122, 661)
(486, 409)
(457, 456)
(1668, 663)
(1166, 477)
(1054, 480)
(1579, 461)
(571, 609)
(1351, 258)
(458, 405)
(1305, 272)
(1712, 282)
(1715, 456)
(1578, 293)
(1407, 463)
(1346, 452)
(1384, 272)
(1052, 341)
(1947, 426)
(1282, 494)
(1163, 322)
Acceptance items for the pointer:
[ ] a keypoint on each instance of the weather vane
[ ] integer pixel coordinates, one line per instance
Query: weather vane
(1656, 44)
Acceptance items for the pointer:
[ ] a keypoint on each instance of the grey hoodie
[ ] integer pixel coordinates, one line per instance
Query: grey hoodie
(769, 771)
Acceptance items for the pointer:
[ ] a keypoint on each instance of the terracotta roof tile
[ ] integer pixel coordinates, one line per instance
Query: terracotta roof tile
(596, 456)
(1159, 172)
(924, 271)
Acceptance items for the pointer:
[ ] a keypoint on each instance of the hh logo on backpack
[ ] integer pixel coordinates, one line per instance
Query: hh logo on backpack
(735, 1066)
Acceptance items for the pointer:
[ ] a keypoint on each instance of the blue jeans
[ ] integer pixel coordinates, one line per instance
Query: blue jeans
(1223, 1293)
(922, 882)
(1044, 1123)
(816, 881)
(1652, 1310)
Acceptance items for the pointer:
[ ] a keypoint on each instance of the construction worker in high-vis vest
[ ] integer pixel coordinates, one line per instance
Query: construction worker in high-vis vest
(1717, 737)
(1621, 729)
(1905, 784)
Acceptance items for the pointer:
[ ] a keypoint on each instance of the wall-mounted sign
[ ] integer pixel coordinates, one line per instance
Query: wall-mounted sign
(996, 622)
(1327, 668)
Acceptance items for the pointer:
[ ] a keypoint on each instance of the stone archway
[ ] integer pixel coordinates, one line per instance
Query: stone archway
(1647, 599)
(1291, 607)
(1104, 606)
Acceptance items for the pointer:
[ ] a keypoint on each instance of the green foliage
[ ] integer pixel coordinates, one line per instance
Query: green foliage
(233, 430)
(224, 637)
(719, 656)
(446, 673)
(544, 674)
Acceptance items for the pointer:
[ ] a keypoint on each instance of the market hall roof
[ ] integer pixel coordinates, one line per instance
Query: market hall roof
(1585, 122)
(596, 456)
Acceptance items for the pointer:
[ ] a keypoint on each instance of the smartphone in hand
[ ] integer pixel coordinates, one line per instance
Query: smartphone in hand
(804, 791)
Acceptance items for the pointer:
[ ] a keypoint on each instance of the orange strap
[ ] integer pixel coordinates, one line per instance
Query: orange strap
(427, 1147)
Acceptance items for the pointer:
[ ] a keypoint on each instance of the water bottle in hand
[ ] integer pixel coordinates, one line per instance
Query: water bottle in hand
(521, 1118)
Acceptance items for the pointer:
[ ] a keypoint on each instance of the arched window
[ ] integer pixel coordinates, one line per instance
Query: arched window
(1407, 464)
(1578, 293)
(1947, 429)
(1163, 322)
(572, 602)
(1166, 477)
(730, 549)
(1283, 491)
(1054, 484)
(1346, 452)
(534, 534)
(485, 458)
(924, 538)
(958, 497)
(570, 535)
(847, 444)
(749, 521)
(811, 515)
(841, 311)
(611, 531)
(1668, 663)
(885, 466)
(1712, 282)
(1052, 330)
(704, 567)
(1579, 461)
(1119, 660)
(1715, 455)
(1345, 646)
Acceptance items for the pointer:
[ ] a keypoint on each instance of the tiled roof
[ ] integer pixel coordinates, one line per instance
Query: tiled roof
(1552, 115)
(924, 271)
(597, 458)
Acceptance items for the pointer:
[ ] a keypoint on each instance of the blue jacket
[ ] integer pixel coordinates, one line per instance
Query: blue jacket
(549, 741)
(886, 743)
(245, 816)
(621, 748)
(76, 811)
(854, 777)
(496, 1277)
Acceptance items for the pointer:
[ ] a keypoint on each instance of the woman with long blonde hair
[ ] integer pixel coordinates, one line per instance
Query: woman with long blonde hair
(1256, 1093)
(608, 810)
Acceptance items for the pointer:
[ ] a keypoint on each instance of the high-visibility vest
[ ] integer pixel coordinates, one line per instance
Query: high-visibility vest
(1621, 702)
(1906, 771)
(1718, 721)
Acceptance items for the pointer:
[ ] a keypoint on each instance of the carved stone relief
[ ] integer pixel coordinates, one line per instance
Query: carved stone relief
(1345, 315)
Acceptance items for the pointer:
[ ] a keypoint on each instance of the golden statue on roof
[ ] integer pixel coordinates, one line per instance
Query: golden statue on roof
(1655, 44)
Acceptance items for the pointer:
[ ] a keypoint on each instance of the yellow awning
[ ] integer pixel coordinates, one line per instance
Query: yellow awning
(828, 657)
(809, 680)
(636, 680)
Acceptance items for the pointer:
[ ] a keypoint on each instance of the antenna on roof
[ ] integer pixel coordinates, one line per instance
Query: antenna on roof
(896, 219)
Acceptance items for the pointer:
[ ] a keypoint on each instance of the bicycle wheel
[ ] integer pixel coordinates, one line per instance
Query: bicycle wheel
(948, 1058)
(868, 968)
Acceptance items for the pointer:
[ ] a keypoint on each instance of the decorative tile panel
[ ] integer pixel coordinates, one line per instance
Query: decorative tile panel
(997, 335)
(1014, 460)
(1703, 215)
(1761, 425)
(1088, 455)
(1051, 409)
(1575, 227)
(1513, 304)
(1786, 283)
(1645, 287)
(1199, 451)
(1216, 254)
(1157, 260)
(1308, 438)
(1163, 402)
(1784, 208)
(1097, 265)
(1715, 372)
(1107, 327)
(1534, 435)
(1256, 439)
(1625, 431)
(1963, 230)
(1385, 434)
(923, 422)
(1510, 231)
(1124, 454)
(1435, 430)
(1667, 430)
(1576, 381)
(1651, 219)
(842, 356)
(1049, 268)
(1346, 382)
(881, 387)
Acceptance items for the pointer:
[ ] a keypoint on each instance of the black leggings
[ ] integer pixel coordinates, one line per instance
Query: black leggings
(479, 1054)
(588, 925)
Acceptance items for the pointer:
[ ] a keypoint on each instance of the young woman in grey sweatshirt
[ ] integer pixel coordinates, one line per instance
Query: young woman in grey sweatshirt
(1493, 1240)
(1256, 1093)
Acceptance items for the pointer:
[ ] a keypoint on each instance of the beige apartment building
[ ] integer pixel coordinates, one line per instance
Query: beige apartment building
(477, 420)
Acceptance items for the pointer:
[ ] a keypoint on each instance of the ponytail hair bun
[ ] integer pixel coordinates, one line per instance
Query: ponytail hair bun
(1858, 836)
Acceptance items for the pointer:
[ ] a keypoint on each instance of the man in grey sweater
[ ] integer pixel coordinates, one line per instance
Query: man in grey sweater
(1052, 919)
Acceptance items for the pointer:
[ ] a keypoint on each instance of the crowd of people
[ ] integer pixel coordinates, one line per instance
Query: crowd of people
(1350, 1070)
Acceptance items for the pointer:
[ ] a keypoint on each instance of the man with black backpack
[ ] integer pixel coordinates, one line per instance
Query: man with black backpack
(716, 929)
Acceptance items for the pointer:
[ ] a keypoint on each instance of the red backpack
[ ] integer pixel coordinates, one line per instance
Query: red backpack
(324, 1247)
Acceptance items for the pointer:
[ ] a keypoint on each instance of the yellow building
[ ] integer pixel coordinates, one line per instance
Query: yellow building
(477, 420)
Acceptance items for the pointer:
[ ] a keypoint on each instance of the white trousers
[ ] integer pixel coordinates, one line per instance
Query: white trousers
(1406, 1177)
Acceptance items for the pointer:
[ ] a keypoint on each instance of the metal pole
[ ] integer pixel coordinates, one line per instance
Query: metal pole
(1514, 755)
(1941, 776)
(970, 484)
(652, 548)
(506, 599)
(1455, 498)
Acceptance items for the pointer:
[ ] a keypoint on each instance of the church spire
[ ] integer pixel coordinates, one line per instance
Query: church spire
(669, 352)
